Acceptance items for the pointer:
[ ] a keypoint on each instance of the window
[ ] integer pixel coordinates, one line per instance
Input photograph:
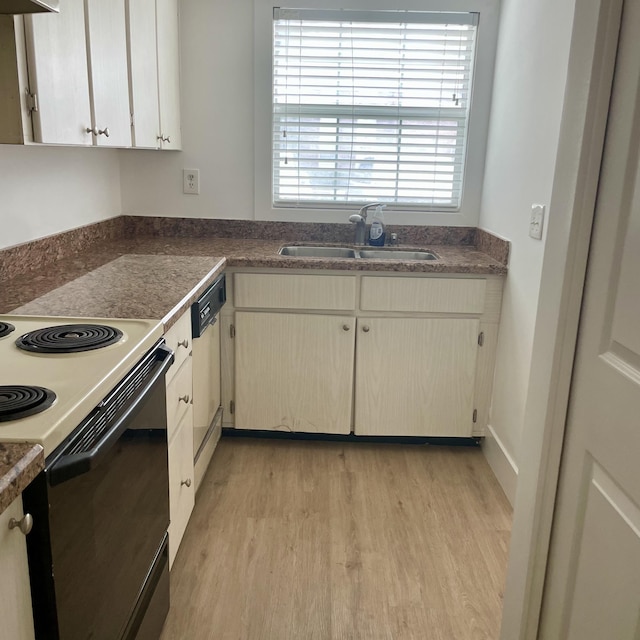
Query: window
(371, 105)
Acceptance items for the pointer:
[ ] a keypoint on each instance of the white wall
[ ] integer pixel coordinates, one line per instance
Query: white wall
(47, 190)
(528, 97)
(217, 76)
(217, 121)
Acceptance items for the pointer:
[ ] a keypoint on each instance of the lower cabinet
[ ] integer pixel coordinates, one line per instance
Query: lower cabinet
(179, 382)
(181, 482)
(367, 354)
(15, 593)
(415, 376)
(294, 372)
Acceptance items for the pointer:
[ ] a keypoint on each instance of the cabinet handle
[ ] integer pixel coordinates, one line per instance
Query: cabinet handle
(185, 398)
(186, 482)
(346, 327)
(365, 328)
(25, 523)
(104, 132)
(167, 139)
(184, 343)
(90, 130)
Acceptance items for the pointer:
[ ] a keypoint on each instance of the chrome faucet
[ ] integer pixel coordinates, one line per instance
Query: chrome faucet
(360, 220)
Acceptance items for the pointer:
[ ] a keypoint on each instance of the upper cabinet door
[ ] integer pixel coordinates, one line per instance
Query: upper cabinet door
(58, 73)
(109, 82)
(143, 73)
(169, 73)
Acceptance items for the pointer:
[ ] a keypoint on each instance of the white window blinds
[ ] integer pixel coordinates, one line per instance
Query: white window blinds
(371, 105)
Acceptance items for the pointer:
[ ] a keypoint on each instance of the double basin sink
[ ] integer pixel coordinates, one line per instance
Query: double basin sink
(346, 252)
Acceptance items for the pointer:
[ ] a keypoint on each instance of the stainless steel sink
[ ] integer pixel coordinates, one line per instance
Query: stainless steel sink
(381, 254)
(346, 252)
(318, 252)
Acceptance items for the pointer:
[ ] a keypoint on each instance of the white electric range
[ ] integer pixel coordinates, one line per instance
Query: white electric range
(68, 384)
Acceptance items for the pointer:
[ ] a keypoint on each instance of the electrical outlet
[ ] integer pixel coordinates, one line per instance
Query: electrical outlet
(191, 181)
(536, 221)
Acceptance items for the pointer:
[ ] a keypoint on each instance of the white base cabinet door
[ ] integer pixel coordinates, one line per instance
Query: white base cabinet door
(181, 483)
(415, 376)
(16, 618)
(294, 372)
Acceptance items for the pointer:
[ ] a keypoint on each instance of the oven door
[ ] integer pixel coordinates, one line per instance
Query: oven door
(93, 551)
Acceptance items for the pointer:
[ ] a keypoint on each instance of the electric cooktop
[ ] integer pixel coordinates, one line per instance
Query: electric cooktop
(54, 371)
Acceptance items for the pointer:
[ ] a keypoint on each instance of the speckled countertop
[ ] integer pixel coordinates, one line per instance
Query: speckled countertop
(20, 463)
(158, 277)
(131, 286)
(140, 276)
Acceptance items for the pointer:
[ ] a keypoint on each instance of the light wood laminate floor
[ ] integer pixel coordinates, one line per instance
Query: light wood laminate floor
(299, 540)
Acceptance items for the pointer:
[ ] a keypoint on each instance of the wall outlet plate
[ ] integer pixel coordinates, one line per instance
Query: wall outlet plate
(191, 181)
(536, 221)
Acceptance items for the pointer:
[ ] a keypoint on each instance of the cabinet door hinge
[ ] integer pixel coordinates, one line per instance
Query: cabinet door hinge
(232, 331)
(133, 120)
(32, 101)
(481, 338)
(232, 406)
(475, 415)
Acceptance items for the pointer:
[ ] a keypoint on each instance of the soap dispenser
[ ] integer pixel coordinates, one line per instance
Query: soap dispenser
(376, 231)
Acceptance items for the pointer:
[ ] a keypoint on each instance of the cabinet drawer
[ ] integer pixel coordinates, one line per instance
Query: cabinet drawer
(15, 603)
(281, 291)
(179, 341)
(423, 295)
(179, 397)
(181, 483)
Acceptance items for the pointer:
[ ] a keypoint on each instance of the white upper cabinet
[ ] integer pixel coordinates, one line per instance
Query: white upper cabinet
(78, 71)
(143, 73)
(58, 74)
(169, 73)
(108, 75)
(100, 72)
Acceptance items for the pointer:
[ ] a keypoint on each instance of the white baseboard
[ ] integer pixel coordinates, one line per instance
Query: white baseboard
(501, 463)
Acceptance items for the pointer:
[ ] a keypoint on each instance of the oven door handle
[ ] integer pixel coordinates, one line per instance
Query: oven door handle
(70, 465)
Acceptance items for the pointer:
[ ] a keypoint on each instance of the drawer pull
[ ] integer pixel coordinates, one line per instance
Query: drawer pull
(25, 523)
(184, 343)
(186, 482)
(346, 327)
(185, 398)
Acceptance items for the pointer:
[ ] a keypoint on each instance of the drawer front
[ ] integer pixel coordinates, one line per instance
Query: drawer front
(181, 483)
(178, 339)
(179, 397)
(423, 295)
(282, 291)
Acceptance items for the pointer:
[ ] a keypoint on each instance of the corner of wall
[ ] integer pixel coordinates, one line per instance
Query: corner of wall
(501, 463)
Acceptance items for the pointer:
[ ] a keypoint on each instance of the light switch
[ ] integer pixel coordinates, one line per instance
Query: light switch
(536, 222)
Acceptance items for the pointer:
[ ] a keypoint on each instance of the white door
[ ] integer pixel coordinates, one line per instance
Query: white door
(415, 376)
(592, 590)
(108, 73)
(58, 75)
(294, 372)
(168, 25)
(143, 72)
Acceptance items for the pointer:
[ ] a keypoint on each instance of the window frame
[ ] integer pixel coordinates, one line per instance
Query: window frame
(467, 214)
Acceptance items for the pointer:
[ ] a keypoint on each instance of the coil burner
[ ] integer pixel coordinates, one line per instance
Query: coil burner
(18, 401)
(5, 329)
(69, 338)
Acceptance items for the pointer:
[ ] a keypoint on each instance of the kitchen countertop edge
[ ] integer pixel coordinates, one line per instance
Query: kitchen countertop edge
(20, 463)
